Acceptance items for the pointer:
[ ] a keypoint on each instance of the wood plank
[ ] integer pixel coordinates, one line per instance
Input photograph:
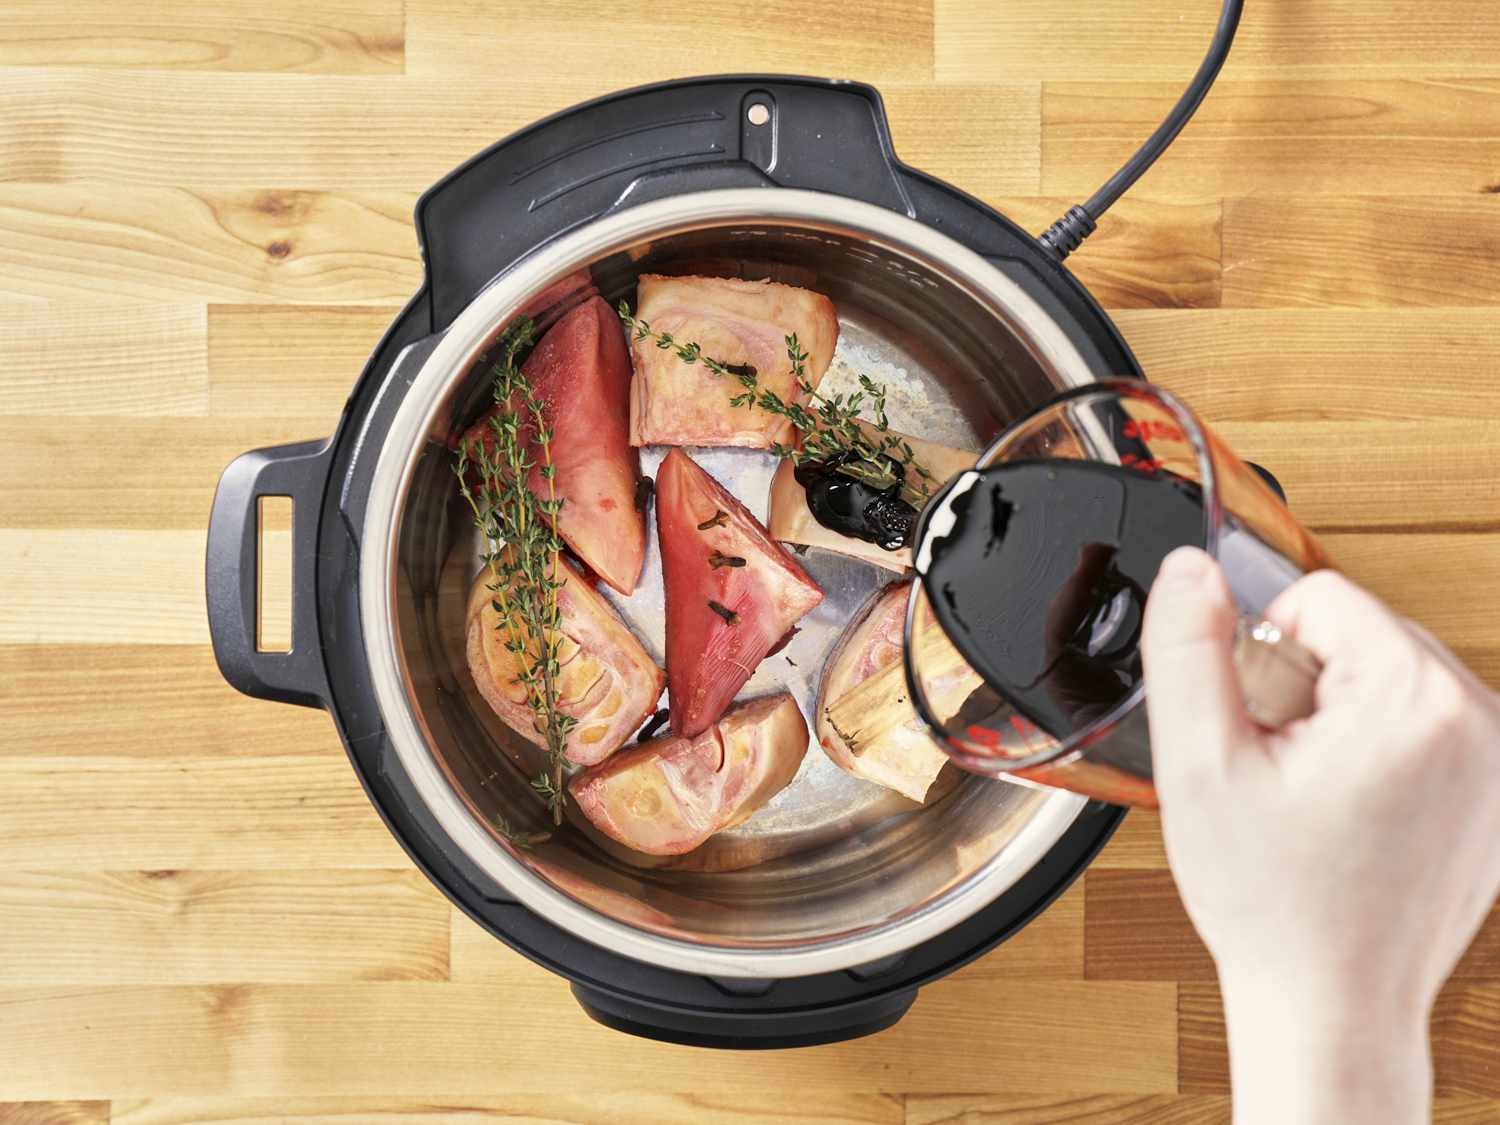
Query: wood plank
(436, 1039)
(147, 129)
(269, 360)
(1137, 929)
(208, 927)
(1166, 39)
(1105, 1109)
(933, 130)
(1202, 1052)
(1417, 574)
(1290, 138)
(1462, 1110)
(519, 1107)
(1136, 844)
(1049, 948)
(1362, 476)
(887, 38)
(149, 702)
(146, 360)
(302, 808)
(1303, 365)
(274, 131)
(1051, 1109)
(1465, 1043)
(151, 591)
(162, 244)
(1403, 252)
(54, 1113)
(142, 473)
(1145, 254)
(337, 37)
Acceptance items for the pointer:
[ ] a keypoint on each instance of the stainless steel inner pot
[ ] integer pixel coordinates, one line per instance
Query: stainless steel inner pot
(835, 872)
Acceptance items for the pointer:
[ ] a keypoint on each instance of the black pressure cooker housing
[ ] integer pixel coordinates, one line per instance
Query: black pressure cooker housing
(567, 170)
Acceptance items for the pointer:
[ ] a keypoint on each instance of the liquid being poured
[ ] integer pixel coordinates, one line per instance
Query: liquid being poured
(1043, 578)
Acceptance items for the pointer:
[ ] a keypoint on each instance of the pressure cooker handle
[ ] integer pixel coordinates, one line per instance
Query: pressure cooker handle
(676, 137)
(746, 1029)
(232, 580)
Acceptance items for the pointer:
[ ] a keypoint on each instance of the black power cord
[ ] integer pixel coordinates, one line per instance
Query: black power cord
(1065, 235)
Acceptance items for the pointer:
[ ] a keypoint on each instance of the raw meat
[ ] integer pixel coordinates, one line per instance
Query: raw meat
(737, 322)
(581, 373)
(667, 796)
(905, 758)
(723, 619)
(607, 683)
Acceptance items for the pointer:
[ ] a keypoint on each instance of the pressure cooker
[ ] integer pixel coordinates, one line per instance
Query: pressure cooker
(792, 178)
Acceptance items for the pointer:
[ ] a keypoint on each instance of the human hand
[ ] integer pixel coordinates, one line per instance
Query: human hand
(1336, 868)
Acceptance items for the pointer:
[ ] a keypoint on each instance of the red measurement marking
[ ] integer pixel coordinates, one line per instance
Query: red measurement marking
(1148, 429)
(984, 736)
(1022, 726)
(1144, 464)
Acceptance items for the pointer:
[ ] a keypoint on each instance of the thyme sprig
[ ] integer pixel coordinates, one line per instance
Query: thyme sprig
(829, 425)
(522, 546)
(517, 836)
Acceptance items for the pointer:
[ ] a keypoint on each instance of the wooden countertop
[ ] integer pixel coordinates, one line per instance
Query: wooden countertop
(204, 226)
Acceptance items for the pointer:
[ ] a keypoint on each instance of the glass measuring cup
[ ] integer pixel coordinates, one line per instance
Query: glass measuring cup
(1039, 676)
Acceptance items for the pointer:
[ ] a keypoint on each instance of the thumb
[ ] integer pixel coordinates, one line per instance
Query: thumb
(1193, 699)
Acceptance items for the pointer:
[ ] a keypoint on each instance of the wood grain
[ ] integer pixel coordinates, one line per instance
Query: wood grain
(1405, 366)
(1043, 1109)
(1293, 138)
(151, 592)
(206, 225)
(1415, 574)
(1136, 844)
(1362, 476)
(271, 812)
(1296, 252)
(233, 131)
(524, 1108)
(1138, 930)
(147, 360)
(335, 37)
(1465, 1044)
(1051, 948)
(223, 133)
(886, 39)
(1145, 255)
(929, 125)
(163, 244)
(206, 927)
(147, 702)
(54, 1113)
(128, 473)
(1040, 39)
(268, 360)
(330, 1039)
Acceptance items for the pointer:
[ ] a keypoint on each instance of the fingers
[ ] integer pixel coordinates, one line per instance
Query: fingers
(1334, 619)
(1193, 696)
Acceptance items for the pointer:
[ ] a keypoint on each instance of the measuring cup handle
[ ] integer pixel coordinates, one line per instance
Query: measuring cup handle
(1278, 676)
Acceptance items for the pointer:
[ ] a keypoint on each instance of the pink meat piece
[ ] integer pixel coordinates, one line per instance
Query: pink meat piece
(667, 796)
(737, 322)
(709, 656)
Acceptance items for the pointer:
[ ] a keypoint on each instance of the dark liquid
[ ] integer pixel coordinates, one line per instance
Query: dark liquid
(1043, 579)
(856, 509)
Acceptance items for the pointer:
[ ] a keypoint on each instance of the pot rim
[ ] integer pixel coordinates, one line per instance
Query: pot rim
(453, 353)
